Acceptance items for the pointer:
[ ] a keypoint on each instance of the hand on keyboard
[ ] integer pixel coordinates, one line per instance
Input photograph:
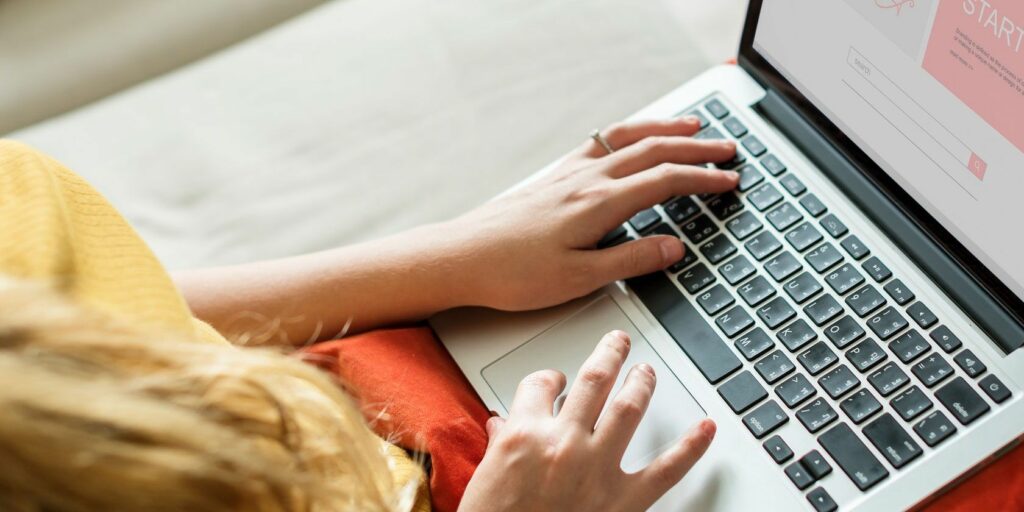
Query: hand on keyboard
(539, 460)
(535, 247)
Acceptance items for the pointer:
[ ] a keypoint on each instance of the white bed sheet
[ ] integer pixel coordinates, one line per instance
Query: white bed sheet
(364, 117)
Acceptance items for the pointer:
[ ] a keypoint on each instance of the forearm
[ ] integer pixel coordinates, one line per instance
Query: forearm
(316, 296)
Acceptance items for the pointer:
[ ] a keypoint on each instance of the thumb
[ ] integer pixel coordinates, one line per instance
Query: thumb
(493, 426)
(639, 257)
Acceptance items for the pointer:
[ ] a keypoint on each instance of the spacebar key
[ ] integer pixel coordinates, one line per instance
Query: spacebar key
(853, 456)
(692, 333)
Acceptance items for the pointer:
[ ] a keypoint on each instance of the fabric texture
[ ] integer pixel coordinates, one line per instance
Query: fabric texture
(55, 227)
(407, 374)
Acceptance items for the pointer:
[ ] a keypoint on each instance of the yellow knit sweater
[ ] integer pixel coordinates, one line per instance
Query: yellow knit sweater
(54, 226)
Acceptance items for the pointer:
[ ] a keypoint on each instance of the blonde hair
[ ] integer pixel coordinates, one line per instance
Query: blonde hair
(97, 416)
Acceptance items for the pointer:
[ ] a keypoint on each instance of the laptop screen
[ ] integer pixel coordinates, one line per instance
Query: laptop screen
(933, 92)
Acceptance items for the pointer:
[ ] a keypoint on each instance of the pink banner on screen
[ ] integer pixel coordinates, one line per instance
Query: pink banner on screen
(976, 49)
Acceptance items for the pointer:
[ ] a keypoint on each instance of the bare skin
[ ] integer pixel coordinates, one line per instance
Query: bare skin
(526, 250)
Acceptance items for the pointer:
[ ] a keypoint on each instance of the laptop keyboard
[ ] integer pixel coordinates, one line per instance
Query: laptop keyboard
(771, 267)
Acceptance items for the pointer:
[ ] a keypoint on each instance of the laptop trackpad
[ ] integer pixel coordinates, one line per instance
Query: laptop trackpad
(567, 344)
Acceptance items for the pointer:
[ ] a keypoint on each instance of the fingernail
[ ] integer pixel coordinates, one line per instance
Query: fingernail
(647, 369)
(690, 119)
(671, 251)
(733, 175)
(708, 428)
(729, 144)
(622, 336)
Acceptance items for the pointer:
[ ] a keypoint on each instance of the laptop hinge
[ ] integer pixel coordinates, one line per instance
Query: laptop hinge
(981, 306)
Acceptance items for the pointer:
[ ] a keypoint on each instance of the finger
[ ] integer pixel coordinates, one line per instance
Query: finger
(670, 467)
(621, 135)
(654, 186)
(636, 258)
(619, 423)
(595, 379)
(492, 427)
(537, 392)
(652, 151)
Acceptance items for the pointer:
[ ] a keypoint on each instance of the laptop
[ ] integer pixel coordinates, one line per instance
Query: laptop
(851, 315)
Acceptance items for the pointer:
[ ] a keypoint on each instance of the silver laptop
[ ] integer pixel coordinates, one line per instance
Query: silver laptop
(851, 316)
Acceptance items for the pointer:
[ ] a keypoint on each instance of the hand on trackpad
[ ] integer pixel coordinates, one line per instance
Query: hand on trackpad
(567, 344)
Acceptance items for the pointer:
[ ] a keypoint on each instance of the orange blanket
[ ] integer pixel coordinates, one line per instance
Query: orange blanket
(413, 390)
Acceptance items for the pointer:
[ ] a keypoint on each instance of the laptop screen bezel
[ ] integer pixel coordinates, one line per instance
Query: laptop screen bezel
(770, 78)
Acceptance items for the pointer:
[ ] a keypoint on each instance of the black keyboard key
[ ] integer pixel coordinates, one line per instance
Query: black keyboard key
(853, 457)
(754, 146)
(699, 229)
(946, 339)
(911, 403)
(795, 390)
(784, 217)
(725, 205)
(934, 428)
(715, 299)
(922, 315)
(932, 370)
(737, 269)
(817, 358)
(696, 278)
(774, 366)
(750, 177)
(742, 392)
(744, 225)
(681, 208)
(691, 332)
(865, 355)
(765, 418)
(860, 405)
(717, 109)
(778, 449)
(813, 205)
(797, 334)
(962, 401)
(754, 343)
(773, 165)
(816, 465)
(802, 287)
(865, 300)
(888, 379)
(833, 226)
(734, 321)
(823, 309)
(661, 229)
(823, 257)
(733, 162)
(645, 220)
(756, 291)
(844, 279)
(735, 127)
(718, 249)
(895, 443)
(613, 238)
(821, 501)
(909, 346)
(700, 118)
(782, 266)
(803, 236)
(798, 474)
(689, 257)
(854, 247)
(844, 331)
(764, 197)
(763, 245)
(995, 389)
(899, 292)
(793, 185)
(876, 269)
(775, 312)
(839, 381)
(969, 363)
(887, 324)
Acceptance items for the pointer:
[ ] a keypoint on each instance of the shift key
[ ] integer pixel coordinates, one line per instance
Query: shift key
(853, 457)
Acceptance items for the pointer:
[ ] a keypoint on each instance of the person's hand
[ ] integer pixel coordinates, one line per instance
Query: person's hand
(539, 461)
(535, 247)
